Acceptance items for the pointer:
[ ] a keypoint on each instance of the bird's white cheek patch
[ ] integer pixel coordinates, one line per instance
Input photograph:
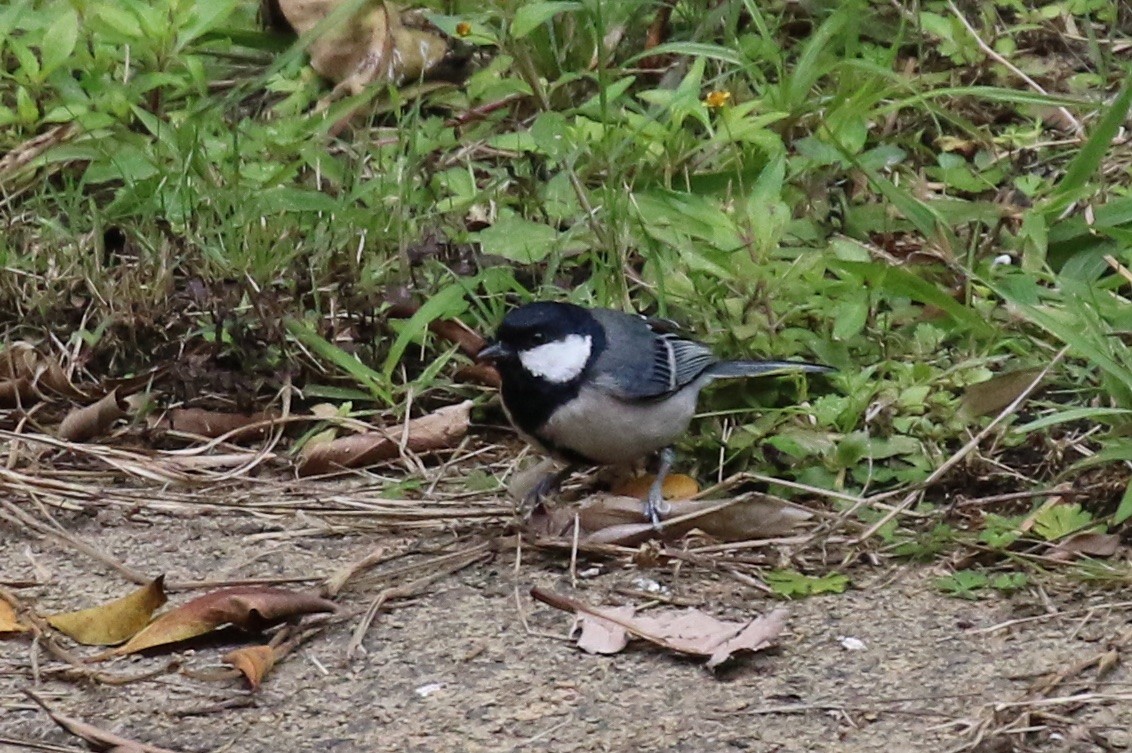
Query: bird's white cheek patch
(560, 361)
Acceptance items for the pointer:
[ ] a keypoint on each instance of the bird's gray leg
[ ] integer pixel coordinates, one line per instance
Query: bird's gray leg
(546, 485)
(655, 505)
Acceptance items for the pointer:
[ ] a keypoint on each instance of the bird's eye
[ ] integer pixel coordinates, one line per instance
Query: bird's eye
(538, 338)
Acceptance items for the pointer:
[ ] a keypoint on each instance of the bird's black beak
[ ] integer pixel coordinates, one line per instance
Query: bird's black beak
(493, 351)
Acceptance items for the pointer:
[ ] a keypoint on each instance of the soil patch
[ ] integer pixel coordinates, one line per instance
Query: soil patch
(473, 664)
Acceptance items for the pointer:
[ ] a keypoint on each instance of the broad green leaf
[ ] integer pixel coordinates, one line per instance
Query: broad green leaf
(120, 20)
(518, 239)
(291, 199)
(207, 14)
(59, 41)
(532, 15)
(1058, 521)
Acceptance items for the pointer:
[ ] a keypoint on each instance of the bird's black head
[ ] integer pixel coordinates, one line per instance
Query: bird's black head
(546, 340)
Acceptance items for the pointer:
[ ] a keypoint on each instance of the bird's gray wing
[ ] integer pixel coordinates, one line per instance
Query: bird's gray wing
(644, 361)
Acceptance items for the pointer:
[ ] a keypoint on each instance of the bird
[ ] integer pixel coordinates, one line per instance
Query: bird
(601, 387)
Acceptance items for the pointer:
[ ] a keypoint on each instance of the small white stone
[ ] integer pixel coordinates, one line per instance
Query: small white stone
(1002, 260)
(648, 585)
(850, 643)
(424, 691)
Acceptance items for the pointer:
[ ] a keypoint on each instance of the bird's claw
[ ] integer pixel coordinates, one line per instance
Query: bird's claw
(656, 506)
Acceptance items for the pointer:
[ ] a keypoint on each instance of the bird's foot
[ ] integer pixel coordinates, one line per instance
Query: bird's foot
(655, 508)
(656, 505)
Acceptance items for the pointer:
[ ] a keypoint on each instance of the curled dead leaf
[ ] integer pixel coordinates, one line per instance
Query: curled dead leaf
(213, 424)
(115, 621)
(438, 430)
(84, 424)
(250, 608)
(612, 519)
(18, 360)
(375, 43)
(687, 631)
(25, 375)
(253, 661)
(52, 378)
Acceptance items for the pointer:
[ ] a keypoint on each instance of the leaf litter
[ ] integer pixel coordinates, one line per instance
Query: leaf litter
(615, 519)
(689, 631)
(612, 521)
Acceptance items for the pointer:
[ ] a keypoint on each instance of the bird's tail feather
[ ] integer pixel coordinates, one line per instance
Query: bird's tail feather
(735, 369)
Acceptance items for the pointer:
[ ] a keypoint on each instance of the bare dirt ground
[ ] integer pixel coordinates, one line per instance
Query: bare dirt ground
(472, 664)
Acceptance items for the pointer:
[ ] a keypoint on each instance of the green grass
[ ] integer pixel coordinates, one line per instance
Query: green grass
(845, 195)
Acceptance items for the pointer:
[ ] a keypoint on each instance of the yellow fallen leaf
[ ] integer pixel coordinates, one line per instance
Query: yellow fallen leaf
(9, 623)
(676, 486)
(253, 661)
(115, 621)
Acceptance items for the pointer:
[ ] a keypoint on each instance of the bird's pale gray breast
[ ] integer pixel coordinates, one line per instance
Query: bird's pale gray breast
(610, 431)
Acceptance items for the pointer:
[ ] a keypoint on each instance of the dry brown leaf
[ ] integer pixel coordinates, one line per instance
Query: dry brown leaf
(694, 632)
(213, 424)
(253, 661)
(98, 739)
(687, 631)
(9, 622)
(1088, 544)
(251, 608)
(374, 44)
(24, 374)
(83, 424)
(115, 621)
(600, 635)
(18, 360)
(478, 373)
(611, 519)
(996, 393)
(52, 376)
(17, 392)
(438, 430)
(676, 486)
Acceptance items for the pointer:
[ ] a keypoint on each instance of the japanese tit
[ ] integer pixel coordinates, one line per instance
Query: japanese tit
(602, 387)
